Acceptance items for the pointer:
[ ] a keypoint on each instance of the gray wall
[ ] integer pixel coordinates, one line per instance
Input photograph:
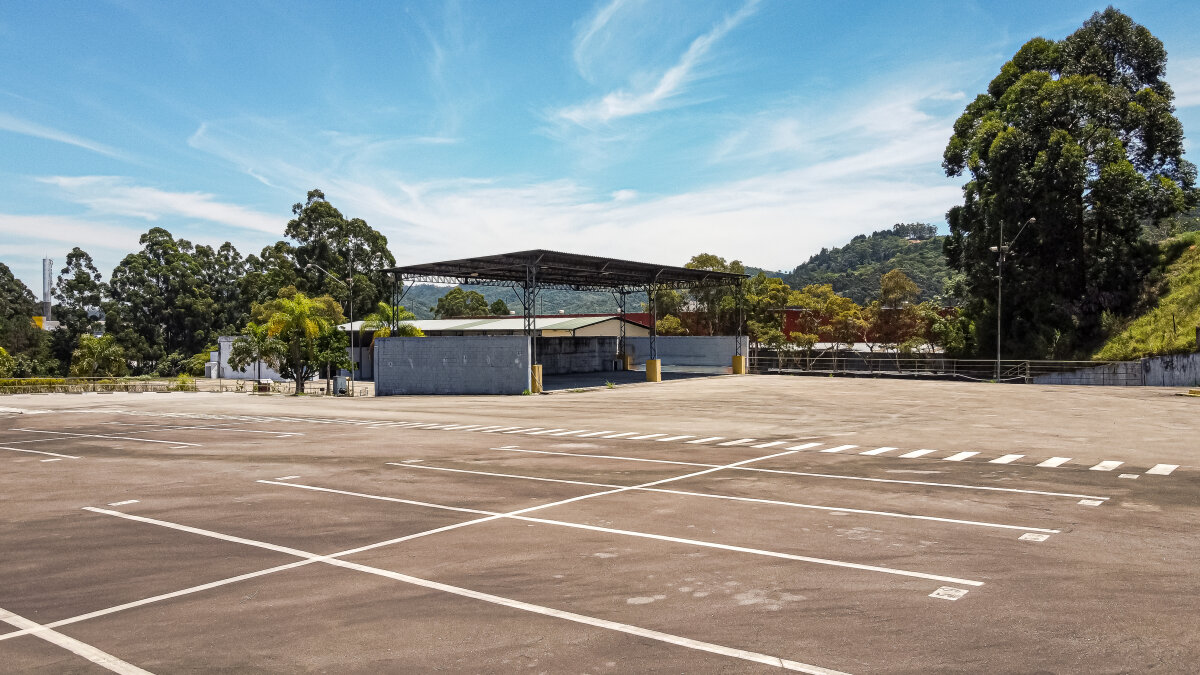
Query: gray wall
(687, 350)
(1179, 370)
(451, 365)
(561, 355)
(224, 344)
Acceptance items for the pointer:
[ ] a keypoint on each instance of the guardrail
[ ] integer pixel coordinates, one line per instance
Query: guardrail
(935, 366)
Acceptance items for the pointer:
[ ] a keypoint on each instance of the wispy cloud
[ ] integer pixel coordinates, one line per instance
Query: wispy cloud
(1184, 76)
(665, 89)
(112, 195)
(49, 234)
(592, 33)
(27, 128)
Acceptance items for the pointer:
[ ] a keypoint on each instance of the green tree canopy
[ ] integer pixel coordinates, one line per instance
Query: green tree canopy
(18, 306)
(297, 322)
(98, 357)
(457, 302)
(78, 292)
(1081, 135)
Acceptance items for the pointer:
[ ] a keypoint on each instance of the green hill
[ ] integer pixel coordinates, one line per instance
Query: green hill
(854, 269)
(1169, 326)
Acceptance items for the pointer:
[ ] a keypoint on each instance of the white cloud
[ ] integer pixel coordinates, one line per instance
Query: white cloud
(593, 33)
(49, 234)
(669, 85)
(27, 128)
(1184, 76)
(112, 195)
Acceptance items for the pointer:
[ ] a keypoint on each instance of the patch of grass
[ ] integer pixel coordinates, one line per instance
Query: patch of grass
(1170, 326)
(608, 384)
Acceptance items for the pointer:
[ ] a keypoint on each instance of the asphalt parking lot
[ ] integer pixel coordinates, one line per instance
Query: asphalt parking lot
(728, 524)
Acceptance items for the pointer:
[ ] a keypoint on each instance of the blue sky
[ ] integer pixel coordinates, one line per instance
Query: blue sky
(759, 130)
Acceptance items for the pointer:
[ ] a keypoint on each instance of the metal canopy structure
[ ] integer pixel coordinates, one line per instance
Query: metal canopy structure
(528, 272)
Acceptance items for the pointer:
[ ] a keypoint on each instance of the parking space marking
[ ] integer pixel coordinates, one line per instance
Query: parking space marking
(1162, 469)
(755, 500)
(835, 476)
(1055, 461)
(127, 501)
(803, 446)
(1131, 476)
(39, 452)
(674, 438)
(501, 430)
(280, 478)
(569, 433)
(1007, 459)
(117, 438)
(916, 453)
(520, 430)
(1032, 536)
(770, 444)
(1090, 502)
(72, 645)
(705, 440)
(1108, 465)
(644, 437)
(878, 451)
(545, 431)
(498, 600)
(595, 433)
(53, 459)
(740, 441)
(839, 448)
(948, 593)
(620, 435)
(959, 456)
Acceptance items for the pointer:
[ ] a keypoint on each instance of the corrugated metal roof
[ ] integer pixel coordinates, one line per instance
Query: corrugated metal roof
(468, 324)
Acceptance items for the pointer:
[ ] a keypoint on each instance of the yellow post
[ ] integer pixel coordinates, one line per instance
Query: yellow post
(535, 379)
(739, 365)
(627, 361)
(653, 370)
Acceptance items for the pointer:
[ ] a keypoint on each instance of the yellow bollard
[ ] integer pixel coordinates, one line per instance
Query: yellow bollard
(653, 370)
(535, 379)
(627, 361)
(739, 365)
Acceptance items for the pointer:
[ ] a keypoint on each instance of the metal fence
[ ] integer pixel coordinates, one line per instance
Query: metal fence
(934, 366)
(108, 385)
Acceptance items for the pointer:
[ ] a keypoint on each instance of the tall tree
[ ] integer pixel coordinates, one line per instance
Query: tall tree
(18, 306)
(457, 302)
(717, 307)
(78, 291)
(98, 357)
(297, 322)
(221, 271)
(1081, 135)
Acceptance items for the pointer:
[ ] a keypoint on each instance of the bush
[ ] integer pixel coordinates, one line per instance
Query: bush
(7, 363)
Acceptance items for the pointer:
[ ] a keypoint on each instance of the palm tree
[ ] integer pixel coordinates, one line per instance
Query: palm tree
(254, 346)
(98, 357)
(384, 316)
(296, 323)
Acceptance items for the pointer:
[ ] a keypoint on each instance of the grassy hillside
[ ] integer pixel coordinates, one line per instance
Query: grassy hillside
(1169, 327)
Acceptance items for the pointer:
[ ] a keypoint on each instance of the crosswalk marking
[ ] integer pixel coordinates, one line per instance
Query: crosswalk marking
(1106, 465)
(740, 441)
(1162, 469)
(1007, 459)
(1055, 461)
(916, 453)
(878, 451)
(770, 444)
(674, 438)
(840, 448)
(959, 456)
(706, 440)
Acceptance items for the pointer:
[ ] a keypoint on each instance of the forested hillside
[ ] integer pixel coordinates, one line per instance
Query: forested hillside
(854, 270)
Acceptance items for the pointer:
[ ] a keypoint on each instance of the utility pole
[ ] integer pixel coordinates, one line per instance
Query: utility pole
(1002, 250)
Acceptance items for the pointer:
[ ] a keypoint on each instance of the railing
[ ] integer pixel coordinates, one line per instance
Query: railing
(108, 385)
(936, 366)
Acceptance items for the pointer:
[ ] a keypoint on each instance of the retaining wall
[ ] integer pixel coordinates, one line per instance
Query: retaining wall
(1177, 370)
(688, 350)
(490, 364)
(562, 355)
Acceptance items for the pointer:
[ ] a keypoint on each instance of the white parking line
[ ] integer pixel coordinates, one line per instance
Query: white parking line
(595, 433)
(53, 459)
(916, 453)
(500, 430)
(569, 433)
(620, 435)
(878, 451)
(1107, 465)
(127, 501)
(706, 440)
(118, 438)
(802, 446)
(520, 430)
(498, 600)
(674, 438)
(644, 437)
(840, 448)
(959, 456)
(770, 444)
(39, 452)
(72, 645)
(1006, 459)
(1162, 469)
(1055, 461)
(740, 441)
(545, 431)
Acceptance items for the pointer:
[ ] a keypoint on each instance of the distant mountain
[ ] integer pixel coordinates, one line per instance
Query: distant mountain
(421, 297)
(854, 269)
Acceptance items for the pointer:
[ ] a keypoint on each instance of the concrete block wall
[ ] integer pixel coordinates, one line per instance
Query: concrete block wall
(452, 365)
(561, 355)
(688, 350)
(253, 372)
(1177, 370)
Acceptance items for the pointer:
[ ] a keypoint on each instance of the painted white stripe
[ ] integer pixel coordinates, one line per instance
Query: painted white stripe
(959, 456)
(520, 430)
(835, 476)
(508, 602)
(596, 433)
(72, 645)
(489, 429)
(623, 433)
(1162, 469)
(280, 478)
(916, 453)
(127, 501)
(802, 446)
(117, 438)
(740, 441)
(39, 452)
(1108, 465)
(840, 448)
(462, 427)
(769, 445)
(878, 451)
(1006, 459)
(644, 437)
(501, 429)
(674, 438)
(1055, 461)
(545, 431)
(53, 459)
(706, 440)
(569, 433)
(1131, 476)
(686, 493)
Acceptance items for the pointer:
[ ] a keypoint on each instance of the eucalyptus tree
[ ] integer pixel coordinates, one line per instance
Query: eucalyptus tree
(1079, 135)
(78, 293)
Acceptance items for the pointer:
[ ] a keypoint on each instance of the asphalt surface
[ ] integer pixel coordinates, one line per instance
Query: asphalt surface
(726, 524)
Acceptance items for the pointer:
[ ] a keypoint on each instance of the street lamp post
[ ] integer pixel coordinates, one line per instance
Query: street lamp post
(349, 284)
(1002, 250)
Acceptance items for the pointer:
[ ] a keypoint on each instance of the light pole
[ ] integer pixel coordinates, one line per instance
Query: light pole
(1002, 249)
(349, 284)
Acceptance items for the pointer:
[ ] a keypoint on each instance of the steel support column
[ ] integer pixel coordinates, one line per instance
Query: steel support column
(740, 296)
(529, 306)
(653, 321)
